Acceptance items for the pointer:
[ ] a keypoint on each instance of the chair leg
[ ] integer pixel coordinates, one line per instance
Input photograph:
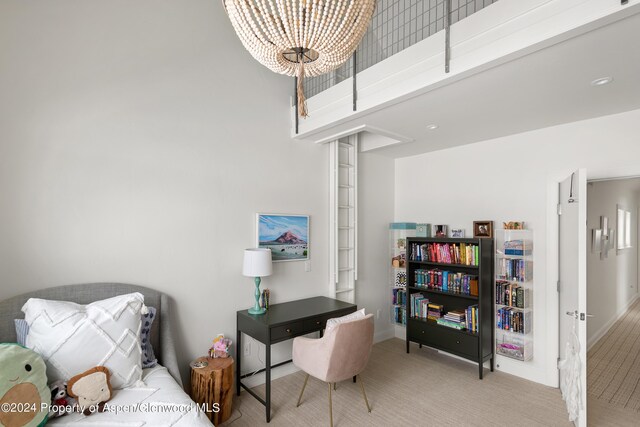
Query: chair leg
(334, 386)
(330, 408)
(302, 391)
(363, 393)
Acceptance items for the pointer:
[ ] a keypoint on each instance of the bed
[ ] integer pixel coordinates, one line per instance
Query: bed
(162, 401)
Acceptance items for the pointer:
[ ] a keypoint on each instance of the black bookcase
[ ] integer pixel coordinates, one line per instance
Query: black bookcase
(478, 346)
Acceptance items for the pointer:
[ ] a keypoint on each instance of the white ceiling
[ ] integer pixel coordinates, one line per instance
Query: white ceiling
(545, 88)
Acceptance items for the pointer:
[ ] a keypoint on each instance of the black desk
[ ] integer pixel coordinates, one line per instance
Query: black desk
(280, 323)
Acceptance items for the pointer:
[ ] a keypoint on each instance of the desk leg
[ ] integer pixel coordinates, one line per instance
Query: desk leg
(267, 357)
(238, 357)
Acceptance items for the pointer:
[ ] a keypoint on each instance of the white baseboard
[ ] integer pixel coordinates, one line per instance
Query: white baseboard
(280, 371)
(384, 335)
(400, 331)
(605, 328)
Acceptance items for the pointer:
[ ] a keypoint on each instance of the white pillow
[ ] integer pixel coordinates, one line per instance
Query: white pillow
(332, 323)
(73, 338)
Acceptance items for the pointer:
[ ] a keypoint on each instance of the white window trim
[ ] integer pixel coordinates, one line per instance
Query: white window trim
(624, 237)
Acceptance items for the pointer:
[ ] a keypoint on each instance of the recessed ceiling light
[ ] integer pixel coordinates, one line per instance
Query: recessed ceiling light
(432, 127)
(602, 81)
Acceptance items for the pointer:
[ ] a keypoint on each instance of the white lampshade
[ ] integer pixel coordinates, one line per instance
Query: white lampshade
(257, 262)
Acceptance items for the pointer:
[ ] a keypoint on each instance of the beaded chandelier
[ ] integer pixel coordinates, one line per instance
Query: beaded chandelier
(300, 37)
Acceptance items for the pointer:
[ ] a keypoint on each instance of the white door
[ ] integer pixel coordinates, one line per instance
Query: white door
(573, 292)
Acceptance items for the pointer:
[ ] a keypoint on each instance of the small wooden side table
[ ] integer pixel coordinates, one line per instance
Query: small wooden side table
(214, 384)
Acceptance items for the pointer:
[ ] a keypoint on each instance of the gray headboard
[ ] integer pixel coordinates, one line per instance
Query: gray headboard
(162, 338)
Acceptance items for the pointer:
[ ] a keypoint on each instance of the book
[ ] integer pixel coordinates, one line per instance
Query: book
(434, 311)
(445, 253)
(517, 247)
(419, 306)
(451, 324)
(446, 281)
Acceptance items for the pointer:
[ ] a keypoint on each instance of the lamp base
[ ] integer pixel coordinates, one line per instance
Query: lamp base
(256, 309)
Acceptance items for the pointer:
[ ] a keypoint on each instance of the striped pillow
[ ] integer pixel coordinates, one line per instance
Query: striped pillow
(22, 329)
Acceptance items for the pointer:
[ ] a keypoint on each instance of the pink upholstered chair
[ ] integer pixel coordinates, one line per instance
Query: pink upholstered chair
(342, 353)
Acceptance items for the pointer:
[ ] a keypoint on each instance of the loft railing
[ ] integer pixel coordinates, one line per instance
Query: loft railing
(396, 25)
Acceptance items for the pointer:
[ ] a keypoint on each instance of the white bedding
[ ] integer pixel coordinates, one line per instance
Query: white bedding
(161, 402)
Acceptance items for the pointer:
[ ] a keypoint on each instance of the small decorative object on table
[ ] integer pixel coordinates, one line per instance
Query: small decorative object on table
(440, 230)
(457, 233)
(513, 225)
(483, 229)
(423, 230)
(399, 261)
(213, 386)
(199, 364)
(401, 279)
(220, 347)
(266, 293)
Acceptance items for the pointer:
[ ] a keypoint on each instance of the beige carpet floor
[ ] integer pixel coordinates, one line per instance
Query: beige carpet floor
(423, 388)
(613, 370)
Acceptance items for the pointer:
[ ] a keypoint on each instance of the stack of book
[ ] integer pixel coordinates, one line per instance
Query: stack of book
(434, 311)
(455, 319)
(517, 247)
(419, 306)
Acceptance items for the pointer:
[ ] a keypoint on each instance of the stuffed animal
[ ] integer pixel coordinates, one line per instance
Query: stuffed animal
(24, 395)
(220, 347)
(61, 402)
(92, 388)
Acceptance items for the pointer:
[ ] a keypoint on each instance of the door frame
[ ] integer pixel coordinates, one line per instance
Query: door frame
(553, 256)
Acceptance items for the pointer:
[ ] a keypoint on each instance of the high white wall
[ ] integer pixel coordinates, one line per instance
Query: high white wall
(515, 178)
(137, 142)
(612, 283)
(375, 212)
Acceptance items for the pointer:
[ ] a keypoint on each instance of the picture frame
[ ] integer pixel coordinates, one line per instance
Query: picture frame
(483, 229)
(423, 230)
(287, 235)
(457, 233)
(439, 230)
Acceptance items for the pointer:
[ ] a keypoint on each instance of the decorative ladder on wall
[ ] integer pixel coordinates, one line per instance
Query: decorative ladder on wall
(343, 215)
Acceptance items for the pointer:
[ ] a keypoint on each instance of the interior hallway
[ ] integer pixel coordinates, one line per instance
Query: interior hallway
(613, 374)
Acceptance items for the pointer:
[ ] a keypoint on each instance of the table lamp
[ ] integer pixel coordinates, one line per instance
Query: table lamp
(257, 263)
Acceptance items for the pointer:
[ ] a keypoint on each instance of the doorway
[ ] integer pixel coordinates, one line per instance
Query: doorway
(613, 333)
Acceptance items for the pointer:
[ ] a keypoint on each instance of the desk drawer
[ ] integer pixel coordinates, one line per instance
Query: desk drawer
(320, 322)
(287, 331)
(316, 323)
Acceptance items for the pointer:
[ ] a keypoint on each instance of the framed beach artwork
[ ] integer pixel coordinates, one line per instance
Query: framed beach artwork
(286, 235)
